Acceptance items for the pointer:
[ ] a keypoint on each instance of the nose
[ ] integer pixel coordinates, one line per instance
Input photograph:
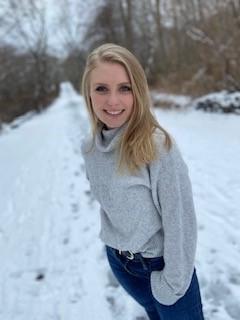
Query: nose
(113, 99)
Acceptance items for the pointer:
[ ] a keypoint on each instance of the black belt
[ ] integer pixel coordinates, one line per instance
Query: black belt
(131, 256)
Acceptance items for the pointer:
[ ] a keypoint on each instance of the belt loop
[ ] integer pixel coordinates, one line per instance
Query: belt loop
(143, 262)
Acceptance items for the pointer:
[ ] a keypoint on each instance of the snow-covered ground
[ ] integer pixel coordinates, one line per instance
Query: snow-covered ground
(53, 265)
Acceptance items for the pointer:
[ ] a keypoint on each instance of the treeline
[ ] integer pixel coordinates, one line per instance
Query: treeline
(185, 46)
(189, 46)
(31, 80)
(30, 71)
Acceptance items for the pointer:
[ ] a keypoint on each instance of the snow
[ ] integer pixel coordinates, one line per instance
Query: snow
(222, 101)
(53, 264)
(172, 100)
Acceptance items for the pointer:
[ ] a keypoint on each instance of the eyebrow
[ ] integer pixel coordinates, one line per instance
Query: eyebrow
(105, 84)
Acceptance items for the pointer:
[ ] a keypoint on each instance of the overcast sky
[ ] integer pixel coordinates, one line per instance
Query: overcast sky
(78, 12)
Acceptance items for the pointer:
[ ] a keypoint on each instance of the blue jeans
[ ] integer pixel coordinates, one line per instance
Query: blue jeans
(134, 277)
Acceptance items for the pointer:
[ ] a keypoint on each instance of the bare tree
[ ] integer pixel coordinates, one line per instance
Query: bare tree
(126, 12)
(27, 24)
(178, 41)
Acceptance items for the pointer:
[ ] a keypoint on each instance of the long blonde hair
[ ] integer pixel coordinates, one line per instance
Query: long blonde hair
(136, 146)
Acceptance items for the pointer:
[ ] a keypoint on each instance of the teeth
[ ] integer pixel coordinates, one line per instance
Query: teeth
(114, 112)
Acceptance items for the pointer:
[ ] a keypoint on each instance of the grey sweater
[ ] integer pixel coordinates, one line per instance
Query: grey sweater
(151, 212)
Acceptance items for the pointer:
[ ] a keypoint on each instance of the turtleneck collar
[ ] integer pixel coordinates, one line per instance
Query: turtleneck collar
(106, 139)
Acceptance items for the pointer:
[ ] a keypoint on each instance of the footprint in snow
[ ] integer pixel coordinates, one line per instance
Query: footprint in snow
(86, 229)
(16, 275)
(65, 167)
(65, 241)
(221, 297)
(76, 151)
(75, 207)
(76, 173)
(218, 292)
(233, 309)
(72, 186)
(201, 227)
(213, 251)
(90, 197)
(112, 281)
(234, 277)
(77, 291)
(117, 307)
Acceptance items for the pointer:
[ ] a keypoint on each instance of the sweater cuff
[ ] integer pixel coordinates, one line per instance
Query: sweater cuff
(161, 290)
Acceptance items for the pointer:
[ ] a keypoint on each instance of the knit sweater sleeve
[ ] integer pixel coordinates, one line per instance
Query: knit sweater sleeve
(173, 193)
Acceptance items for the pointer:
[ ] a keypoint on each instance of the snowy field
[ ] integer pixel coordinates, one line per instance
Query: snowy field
(53, 265)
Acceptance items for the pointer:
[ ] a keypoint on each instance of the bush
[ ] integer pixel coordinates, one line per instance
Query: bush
(223, 102)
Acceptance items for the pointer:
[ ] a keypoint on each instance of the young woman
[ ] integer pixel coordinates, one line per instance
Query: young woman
(137, 174)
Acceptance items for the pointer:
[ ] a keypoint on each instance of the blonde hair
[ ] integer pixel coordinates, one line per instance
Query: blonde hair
(136, 146)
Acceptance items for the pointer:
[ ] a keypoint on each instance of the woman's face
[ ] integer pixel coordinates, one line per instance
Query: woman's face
(111, 94)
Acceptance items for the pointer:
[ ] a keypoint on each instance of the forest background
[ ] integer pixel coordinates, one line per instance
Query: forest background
(187, 47)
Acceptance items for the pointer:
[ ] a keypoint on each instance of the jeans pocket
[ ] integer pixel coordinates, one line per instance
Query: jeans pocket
(136, 269)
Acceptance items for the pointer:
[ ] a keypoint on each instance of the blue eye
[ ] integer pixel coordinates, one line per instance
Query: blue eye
(125, 88)
(101, 89)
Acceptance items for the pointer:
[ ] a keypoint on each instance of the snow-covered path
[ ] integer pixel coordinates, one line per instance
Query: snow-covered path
(47, 234)
(53, 265)
(210, 144)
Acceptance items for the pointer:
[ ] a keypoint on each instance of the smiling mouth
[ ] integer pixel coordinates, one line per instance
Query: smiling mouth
(114, 113)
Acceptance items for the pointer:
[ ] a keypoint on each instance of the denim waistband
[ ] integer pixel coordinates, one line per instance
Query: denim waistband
(136, 256)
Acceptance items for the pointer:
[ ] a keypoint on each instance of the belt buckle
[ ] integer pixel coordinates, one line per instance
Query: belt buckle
(129, 256)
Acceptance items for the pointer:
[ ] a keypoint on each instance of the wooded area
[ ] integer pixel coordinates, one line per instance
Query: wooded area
(189, 46)
(186, 46)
